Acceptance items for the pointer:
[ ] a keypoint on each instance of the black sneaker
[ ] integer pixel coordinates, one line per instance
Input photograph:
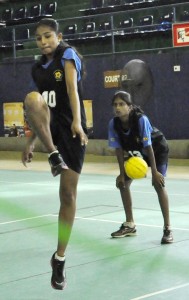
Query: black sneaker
(124, 231)
(57, 163)
(167, 236)
(58, 279)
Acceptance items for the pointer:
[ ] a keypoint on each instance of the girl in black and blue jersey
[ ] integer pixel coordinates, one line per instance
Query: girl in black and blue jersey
(56, 115)
(130, 131)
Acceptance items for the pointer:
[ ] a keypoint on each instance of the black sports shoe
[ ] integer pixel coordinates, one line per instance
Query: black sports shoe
(124, 231)
(57, 163)
(167, 236)
(58, 279)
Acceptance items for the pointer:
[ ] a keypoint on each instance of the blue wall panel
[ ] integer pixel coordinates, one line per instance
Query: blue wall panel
(14, 84)
(169, 110)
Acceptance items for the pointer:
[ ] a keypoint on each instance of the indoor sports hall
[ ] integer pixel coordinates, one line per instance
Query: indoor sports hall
(110, 35)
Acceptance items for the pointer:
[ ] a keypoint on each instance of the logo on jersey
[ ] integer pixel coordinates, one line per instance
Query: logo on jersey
(58, 75)
(137, 139)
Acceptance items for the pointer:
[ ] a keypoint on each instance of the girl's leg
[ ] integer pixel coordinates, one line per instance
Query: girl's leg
(127, 228)
(127, 201)
(38, 116)
(68, 192)
(163, 196)
(164, 204)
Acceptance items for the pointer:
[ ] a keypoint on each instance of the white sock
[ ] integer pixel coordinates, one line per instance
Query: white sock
(60, 258)
(130, 224)
(55, 151)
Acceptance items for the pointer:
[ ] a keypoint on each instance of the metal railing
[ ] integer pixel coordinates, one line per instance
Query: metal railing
(113, 33)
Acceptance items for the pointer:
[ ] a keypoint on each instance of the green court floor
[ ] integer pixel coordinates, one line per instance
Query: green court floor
(98, 267)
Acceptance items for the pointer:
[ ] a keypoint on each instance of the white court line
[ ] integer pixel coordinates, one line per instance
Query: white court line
(137, 224)
(30, 183)
(55, 182)
(89, 219)
(26, 219)
(161, 292)
(153, 192)
(110, 221)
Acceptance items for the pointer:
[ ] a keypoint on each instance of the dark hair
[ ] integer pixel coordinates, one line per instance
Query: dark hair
(54, 25)
(48, 22)
(126, 97)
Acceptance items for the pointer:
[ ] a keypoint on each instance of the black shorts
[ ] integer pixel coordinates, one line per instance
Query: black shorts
(161, 150)
(70, 148)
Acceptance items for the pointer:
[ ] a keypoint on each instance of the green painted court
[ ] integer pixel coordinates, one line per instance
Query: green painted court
(98, 267)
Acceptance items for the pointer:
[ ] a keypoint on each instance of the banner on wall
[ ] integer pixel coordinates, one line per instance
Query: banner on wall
(180, 34)
(14, 117)
(89, 116)
(13, 114)
(111, 79)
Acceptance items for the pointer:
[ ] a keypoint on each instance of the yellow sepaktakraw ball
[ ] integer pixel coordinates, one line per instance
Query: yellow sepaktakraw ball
(136, 167)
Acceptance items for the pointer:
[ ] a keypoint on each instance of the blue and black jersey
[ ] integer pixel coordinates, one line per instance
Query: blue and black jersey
(137, 137)
(49, 78)
(50, 81)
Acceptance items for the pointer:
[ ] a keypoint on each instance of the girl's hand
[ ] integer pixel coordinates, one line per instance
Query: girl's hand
(120, 182)
(77, 129)
(158, 179)
(27, 154)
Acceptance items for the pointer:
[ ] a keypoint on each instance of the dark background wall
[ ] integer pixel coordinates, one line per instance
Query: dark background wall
(15, 82)
(169, 110)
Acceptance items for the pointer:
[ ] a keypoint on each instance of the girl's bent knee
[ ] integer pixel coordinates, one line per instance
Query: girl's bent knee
(33, 99)
(32, 96)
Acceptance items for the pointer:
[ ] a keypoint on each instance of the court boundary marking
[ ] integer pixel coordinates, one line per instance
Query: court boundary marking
(145, 296)
(47, 183)
(160, 292)
(87, 219)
